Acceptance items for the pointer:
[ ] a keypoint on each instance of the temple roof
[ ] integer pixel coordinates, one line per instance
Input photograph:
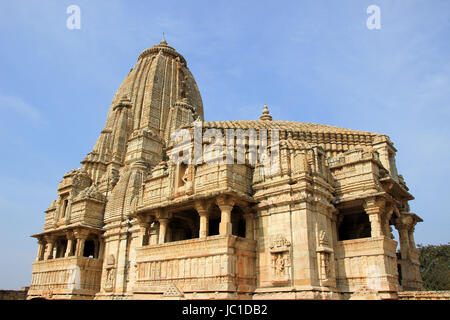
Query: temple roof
(282, 125)
(266, 122)
(300, 135)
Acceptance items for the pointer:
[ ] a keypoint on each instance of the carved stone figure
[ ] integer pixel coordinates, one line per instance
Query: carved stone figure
(110, 273)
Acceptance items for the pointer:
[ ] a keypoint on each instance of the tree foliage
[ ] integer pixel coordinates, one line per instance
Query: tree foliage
(435, 266)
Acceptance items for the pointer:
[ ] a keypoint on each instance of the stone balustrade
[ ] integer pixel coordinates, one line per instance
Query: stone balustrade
(70, 276)
(211, 264)
(367, 262)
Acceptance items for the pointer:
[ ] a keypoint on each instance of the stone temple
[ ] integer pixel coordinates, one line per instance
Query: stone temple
(133, 223)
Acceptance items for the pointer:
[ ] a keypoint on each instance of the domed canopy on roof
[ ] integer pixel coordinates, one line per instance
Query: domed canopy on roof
(265, 114)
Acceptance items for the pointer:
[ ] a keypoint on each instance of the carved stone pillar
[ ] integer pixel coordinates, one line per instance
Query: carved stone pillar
(375, 225)
(204, 224)
(249, 226)
(410, 265)
(69, 248)
(80, 246)
(387, 218)
(202, 207)
(375, 209)
(225, 205)
(41, 250)
(163, 222)
(404, 240)
(404, 252)
(412, 243)
(145, 222)
(50, 247)
(143, 234)
(81, 236)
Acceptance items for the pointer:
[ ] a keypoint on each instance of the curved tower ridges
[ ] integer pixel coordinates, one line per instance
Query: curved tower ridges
(157, 96)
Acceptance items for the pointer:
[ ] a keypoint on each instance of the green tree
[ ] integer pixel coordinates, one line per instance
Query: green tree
(435, 266)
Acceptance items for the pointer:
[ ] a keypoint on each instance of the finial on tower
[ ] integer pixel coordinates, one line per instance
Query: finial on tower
(265, 114)
(163, 41)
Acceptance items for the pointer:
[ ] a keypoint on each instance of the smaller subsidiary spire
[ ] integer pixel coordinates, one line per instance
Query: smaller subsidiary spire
(265, 114)
(124, 102)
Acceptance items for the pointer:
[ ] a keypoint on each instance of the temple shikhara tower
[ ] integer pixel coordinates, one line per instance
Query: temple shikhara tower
(328, 218)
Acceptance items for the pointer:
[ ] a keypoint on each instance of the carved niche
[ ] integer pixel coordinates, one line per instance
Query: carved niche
(281, 260)
(325, 259)
(110, 273)
(182, 176)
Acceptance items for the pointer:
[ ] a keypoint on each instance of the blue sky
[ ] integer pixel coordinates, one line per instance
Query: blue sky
(310, 61)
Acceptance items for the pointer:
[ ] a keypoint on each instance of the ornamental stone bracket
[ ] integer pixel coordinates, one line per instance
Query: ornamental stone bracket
(281, 260)
(203, 206)
(161, 213)
(408, 220)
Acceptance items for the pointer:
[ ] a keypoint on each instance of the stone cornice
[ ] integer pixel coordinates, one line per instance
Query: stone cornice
(63, 230)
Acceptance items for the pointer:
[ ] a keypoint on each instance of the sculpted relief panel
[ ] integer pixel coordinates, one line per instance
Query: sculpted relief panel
(325, 257)
(110, 273)
(281, 260)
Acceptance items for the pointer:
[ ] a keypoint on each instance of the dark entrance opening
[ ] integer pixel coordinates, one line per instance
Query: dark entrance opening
(214, 227)
(89, 249)
(355, 225)
(238, 221)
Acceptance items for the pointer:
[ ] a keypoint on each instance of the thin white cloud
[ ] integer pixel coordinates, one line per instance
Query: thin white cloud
(20, 107)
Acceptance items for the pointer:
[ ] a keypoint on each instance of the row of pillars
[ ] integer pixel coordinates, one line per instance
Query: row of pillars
(203, 209)
(48, 242)
(380, 216)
